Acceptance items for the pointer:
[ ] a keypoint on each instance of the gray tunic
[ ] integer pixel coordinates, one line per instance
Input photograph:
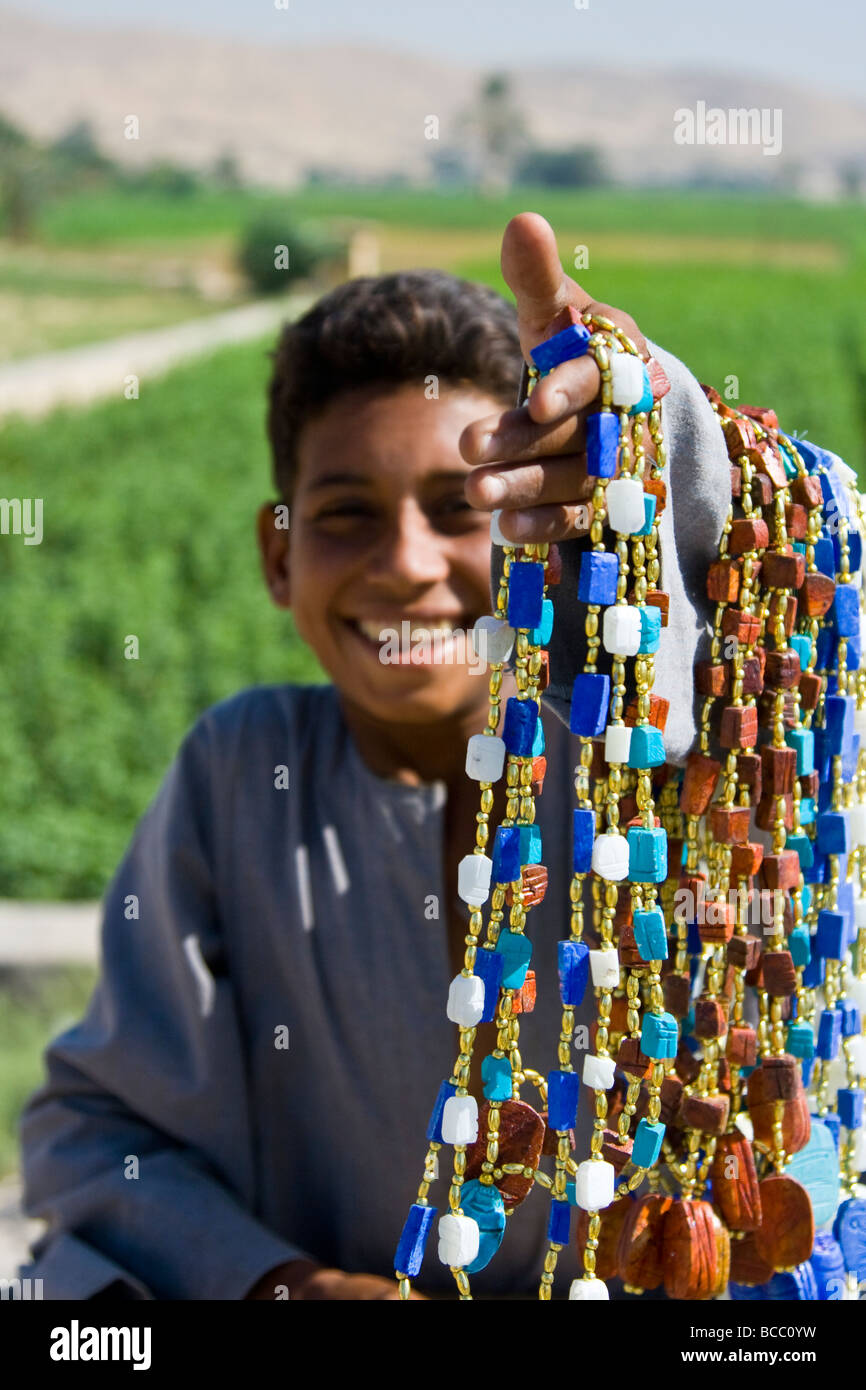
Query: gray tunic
(179, 1149)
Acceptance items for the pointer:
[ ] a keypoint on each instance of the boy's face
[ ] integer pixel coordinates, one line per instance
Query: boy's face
(381, 534)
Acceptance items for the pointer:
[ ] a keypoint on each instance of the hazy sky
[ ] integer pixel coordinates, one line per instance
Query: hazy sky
(821, 45)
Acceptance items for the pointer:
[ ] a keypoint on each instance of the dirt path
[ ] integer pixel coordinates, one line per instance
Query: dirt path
(35, 385)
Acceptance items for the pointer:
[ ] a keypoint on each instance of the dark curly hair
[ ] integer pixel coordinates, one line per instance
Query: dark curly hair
(386, 330)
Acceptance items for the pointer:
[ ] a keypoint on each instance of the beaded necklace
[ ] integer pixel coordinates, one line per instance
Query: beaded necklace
(737, 1161)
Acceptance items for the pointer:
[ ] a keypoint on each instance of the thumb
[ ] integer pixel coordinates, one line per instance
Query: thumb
(533, 272)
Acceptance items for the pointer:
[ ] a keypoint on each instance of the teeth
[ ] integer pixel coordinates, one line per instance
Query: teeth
(374, 630)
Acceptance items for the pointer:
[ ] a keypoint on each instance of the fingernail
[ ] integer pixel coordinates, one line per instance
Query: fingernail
(521, 523)
(488, 446)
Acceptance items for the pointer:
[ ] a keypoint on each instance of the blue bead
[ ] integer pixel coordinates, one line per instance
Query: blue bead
(794, 1285)
(647, 748)
(650, 629)
(488, 967)
(811, 454)
(562, 347)
(850, 756)
(563, 1089)
(831, 1122)
(525, 593)
(506, 854)
(825, 644)
(800, 946)
(803, 647)
(829, 1034)
(850, 1018)
(828, 1266)
(521, 720)
(806, 1068)
(839, 721)
(434, 1125)
(803, 742)
(814, 972)
(583, 839)
(649, 513)
(483, 1202)
(846, 610)
(597, 580)
(799, 1039)
(516, 951)
(496, 1078)
(854, 651)
(559, 1223)
(747, 1293)
(538, 740)
(540, 636)
(850, 1107)
(573, 962)
(825, 558)
(658, 1037)
(803, 847)
(816, 1166)
(831, 935)
(855, 550)
(647, 854)
(590, 700)
(849, 1228)
(410, 1250)
(602, 444)
(647, 1143)
(530, 844)
(645, 404)
(650, 936)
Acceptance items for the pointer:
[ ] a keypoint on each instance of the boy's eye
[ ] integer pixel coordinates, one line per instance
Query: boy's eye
(341, 509)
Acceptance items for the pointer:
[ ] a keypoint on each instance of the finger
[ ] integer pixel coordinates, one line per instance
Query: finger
(549, 523)
(570, 387)
(560, 479)
(513, 436)
(533, 272)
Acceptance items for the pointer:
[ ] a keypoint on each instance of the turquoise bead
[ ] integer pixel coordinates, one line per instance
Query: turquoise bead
(650, 936)
(530, 844)
(817, 1167)
(483, 1202)
(803, 743)
(540, 636)
(571, 1191)
(647, 746)
(803, 845)
(538, 741)
(807, 810)
(647, 854)
(800, 947)
(650, 629)
(800, 1039)
(803, 647)
(645, 404)
(659, 1037)
(649, 511)
(516, 949)
(496, 1078)
(647, 1143)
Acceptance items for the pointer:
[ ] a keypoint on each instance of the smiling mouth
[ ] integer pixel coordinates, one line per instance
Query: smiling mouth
(417, 642)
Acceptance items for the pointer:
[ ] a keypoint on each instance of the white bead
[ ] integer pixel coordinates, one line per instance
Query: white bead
(857, 824)
(857, 1053)
(837, 1073)
(459, 1239)
(598, 1072)
(626, 372)
(621, 630)
(845, 471)
(593, 1290)
(466, 1000)
(855, 990)
(610, 857)
(495, 534)
(473, 879)
(744, 1125)
(493, 639)
(617, 742)
(625, 505)
(860, 912)
(859, 1150)
(485, 758)
(860, 714)
(605, 968)
(594, 1184)
(460, 1120)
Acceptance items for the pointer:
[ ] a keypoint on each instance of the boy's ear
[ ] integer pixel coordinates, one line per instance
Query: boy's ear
(273, 537)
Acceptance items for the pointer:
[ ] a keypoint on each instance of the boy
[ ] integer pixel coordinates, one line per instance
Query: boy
(241, 1112)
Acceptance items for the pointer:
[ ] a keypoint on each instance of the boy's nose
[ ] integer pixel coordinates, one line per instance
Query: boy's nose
(412, 549)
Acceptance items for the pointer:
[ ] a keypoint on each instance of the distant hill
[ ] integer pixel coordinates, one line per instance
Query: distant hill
(282, 109)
